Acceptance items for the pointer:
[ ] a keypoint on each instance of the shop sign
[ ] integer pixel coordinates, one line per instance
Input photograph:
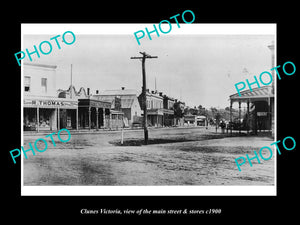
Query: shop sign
(49, 103)
(262, 113)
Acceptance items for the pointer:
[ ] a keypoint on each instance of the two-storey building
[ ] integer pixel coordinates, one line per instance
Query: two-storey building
(168, 110)
(42, 109)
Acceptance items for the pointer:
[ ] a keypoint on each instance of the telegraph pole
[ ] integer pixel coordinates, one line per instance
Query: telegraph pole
(144, 97)
(71, 82)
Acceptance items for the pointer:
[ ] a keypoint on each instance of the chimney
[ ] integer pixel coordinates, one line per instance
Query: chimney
(88, 91)
(123, 88)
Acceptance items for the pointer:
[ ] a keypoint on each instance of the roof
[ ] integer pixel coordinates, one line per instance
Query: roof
(262, 92)
(85, 102)
(40, 65)
(119, 92)
(126, 101)
(75, 94)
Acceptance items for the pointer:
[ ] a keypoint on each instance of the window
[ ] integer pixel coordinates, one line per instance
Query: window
(26, 83)
(44, 85)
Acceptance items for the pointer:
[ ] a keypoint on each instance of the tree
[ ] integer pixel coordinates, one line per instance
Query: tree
(178, 111)
(194, 111)
(218, 118)
(201, 111)
(213, 111)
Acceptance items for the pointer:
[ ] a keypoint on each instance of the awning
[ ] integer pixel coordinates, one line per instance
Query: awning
(155, 112)
(256, 94)
(93, 103)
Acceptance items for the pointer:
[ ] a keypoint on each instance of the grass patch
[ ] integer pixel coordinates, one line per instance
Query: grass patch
(167, 140)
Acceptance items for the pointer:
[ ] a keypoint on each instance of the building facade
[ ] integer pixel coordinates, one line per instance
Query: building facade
(154, 102)
(42, 109)
(124, 100)
(92, 112)
(195, 120)
(260, 108)
(168, 110)
(160, 109)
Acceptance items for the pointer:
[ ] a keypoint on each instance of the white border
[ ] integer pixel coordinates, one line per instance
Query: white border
(185, 29)
(149, 190)
(194, 28)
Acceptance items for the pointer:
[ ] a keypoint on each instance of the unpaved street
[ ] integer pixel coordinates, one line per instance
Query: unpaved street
(200, 157)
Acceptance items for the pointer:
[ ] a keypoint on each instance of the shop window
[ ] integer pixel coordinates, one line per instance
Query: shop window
(44, 85)
(29, 119)
(27, 83)
(45, 118)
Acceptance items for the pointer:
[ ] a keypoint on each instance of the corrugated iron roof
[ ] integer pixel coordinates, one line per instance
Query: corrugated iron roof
(126, 101)
(263, 92)
(119, 92)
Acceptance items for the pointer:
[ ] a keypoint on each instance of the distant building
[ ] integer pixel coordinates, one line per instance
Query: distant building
(195, 120)
(124, 100)
(168, 110)
(154, 103)
(160, 109)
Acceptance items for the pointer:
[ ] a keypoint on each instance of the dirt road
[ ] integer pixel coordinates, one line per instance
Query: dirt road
(201, 157)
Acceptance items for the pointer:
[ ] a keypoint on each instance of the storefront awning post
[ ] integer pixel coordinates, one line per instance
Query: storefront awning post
(58, 119)
(37, 119)
(248, 116)
(97, 122)
(77, 118)
(230, 117)
(110, 120)
(89, 112)
(240, 117)
(103, 118)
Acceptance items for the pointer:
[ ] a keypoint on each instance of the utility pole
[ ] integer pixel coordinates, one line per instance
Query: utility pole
(71, 82)
(144, 97)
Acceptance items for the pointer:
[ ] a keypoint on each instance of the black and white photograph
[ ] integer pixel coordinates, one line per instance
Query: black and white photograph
(181, 110)
(165, 113)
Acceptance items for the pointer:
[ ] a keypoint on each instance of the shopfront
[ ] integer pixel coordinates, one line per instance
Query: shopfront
(94, 114)
(47, 114)
(155, 117)
(260, 109)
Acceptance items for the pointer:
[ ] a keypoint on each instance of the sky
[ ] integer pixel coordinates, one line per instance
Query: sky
(196, 68)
